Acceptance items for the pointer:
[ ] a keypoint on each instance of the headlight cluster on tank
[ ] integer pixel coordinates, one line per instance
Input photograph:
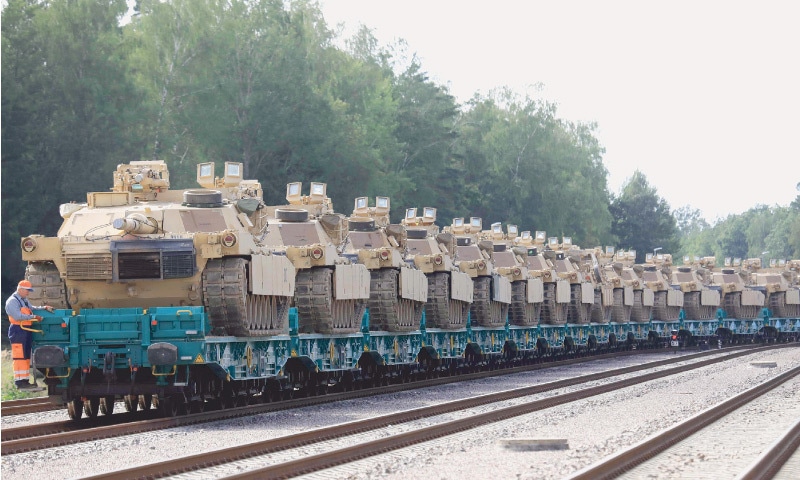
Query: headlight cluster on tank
(316, 253)
(229, 240)
(438, 259)
(28, 244)
(384, 254)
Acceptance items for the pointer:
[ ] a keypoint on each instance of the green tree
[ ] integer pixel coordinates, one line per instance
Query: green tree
(68, 107)
(642, 220)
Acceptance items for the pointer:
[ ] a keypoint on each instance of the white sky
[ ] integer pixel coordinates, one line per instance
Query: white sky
(702, 96)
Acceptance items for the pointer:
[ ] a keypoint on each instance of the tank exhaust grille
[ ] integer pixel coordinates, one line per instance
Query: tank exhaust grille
(95, 267)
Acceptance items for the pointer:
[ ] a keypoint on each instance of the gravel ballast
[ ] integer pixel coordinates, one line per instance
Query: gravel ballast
(594, 428)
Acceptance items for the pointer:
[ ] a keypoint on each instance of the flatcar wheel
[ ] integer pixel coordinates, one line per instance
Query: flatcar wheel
(91, 406)
(107, 404)
(131, 402)
(145, 401)
(75, 409)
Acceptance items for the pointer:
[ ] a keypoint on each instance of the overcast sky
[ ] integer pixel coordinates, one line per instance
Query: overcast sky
(702, 96)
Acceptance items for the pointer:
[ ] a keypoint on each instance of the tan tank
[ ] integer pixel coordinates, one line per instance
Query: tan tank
(143, 244)
(693, 277)
(736, 298)
(591, 262)
(450, 291)
(491, 291)
(398, 290)
(775, 282)
(667, 301)
(510, 258)
(556, 291)
(566, 260)
(331, 291)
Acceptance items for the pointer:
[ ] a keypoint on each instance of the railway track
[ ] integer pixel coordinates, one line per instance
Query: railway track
(53, 434)
(333, 457)
(27, 405)
(624, 461)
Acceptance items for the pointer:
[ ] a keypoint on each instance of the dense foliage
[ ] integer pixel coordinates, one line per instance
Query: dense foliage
(265, 82)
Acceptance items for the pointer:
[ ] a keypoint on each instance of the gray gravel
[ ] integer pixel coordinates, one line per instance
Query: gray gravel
(593, 428)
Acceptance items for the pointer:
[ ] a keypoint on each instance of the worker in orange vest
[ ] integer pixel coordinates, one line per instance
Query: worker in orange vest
(20, 314)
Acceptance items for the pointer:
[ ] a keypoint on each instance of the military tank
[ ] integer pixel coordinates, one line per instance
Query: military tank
(398, 290)
(450, 291)
(566, 260)
(591, 262)
(699, 301)
(143, 244)
(667, 301)
(775, 282)
(736, 298)
(491, 292)
(510, 260)
(331, 292)
(556, 291)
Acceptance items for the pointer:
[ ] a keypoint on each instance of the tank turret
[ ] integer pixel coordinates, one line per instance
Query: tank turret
(450, 291)
(142, 244)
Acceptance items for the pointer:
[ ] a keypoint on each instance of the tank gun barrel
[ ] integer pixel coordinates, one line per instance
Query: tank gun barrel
(135, 223)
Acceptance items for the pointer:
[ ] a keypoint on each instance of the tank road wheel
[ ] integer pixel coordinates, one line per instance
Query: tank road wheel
(48, 287)
(225, 295)
(107, 404)
(131, 402)
(75, 408)
(145, 401)
(91, 406)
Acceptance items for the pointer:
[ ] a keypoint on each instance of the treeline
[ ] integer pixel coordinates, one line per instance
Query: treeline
(265, 83)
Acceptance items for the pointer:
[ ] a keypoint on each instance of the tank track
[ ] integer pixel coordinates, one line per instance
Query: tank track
(577, 311)
(662, 311)
(48, 287)
(598, 313)
(388, 311)
(620, 313)
(484, 311)
(732, 303)
(318, 311)
(442, 311)
(225, 296)
(777, 304)
(553, 313)
(639, 312)
(520, 312)
(693, 309)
